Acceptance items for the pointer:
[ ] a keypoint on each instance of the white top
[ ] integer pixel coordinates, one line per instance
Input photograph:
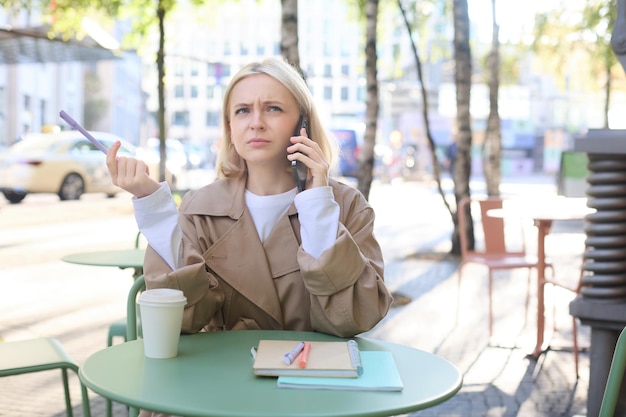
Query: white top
(318, 212)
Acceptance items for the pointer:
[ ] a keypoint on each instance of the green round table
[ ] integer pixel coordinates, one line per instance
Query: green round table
(123, 258)
(212, 376)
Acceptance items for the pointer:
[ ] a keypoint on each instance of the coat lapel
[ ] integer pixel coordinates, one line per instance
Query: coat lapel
(281, 248)
(250, 275)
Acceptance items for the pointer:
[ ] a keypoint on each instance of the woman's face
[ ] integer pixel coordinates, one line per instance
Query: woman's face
(262, 117)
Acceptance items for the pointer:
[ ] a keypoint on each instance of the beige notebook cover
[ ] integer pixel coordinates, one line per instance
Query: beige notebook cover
(326, 359)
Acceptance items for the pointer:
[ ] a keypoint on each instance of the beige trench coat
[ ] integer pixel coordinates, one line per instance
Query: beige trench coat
(234, 281)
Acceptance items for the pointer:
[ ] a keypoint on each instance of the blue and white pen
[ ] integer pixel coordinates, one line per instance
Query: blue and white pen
(289, 357)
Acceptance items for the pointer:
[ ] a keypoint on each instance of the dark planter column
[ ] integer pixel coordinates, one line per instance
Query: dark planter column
(602, 300)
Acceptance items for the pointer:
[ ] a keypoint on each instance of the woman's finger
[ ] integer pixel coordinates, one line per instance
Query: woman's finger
(111, 159)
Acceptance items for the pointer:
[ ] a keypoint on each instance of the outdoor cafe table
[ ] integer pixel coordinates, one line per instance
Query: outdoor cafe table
(123, 258)
(212, 376)
(544, 213)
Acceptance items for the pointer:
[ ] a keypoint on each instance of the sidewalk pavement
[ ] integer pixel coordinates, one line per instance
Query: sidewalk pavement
(434, 313)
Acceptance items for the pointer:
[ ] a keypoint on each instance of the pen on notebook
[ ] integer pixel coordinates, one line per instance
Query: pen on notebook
(289, 357)
(304, 357)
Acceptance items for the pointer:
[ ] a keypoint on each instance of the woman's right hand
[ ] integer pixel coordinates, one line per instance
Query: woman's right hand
(130, 174)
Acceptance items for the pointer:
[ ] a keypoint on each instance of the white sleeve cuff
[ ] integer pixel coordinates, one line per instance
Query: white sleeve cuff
(318, 213)
(157, 218)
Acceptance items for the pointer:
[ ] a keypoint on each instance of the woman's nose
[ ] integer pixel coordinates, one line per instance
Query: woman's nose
(257, 121)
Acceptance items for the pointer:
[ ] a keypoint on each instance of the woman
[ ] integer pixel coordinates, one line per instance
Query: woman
(248, 250)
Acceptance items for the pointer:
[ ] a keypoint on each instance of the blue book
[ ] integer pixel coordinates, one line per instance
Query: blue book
(379, 374)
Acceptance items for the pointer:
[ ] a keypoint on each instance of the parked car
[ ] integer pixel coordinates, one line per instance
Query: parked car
(348, 152)
(63, 163)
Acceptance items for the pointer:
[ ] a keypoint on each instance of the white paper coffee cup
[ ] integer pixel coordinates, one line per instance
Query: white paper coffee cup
(161, 320)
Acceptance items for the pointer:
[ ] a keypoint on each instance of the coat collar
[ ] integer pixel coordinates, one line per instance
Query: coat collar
(224, 197)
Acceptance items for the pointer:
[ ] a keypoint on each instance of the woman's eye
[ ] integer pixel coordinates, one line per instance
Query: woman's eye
(274, 108)
(240, 111)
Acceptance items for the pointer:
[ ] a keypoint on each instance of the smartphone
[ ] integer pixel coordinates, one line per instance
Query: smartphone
(82, 130)
(299, 169)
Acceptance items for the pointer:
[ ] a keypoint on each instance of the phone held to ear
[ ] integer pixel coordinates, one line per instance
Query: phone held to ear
(299, 169)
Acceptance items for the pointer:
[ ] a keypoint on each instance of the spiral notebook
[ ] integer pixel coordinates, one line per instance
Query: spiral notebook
(326, 359)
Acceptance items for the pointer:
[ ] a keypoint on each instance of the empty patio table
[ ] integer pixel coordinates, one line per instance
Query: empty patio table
(544, 213)
(212, 376)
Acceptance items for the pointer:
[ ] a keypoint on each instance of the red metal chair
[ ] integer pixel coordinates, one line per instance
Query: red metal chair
(497, 254)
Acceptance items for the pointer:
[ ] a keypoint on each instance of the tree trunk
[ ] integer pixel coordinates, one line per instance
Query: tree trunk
(463, 81)
(607, 96)
(431, 142)
(366, 154)
(492, 147)
(289, 33)
(161, 12)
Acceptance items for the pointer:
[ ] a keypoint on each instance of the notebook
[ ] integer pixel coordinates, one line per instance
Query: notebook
(379, 374)
(326, 359)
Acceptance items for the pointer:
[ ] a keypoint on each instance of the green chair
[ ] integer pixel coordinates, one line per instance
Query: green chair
(133, 324)
(133, 319)
(118, 327)
(42, 354)
(614, 380)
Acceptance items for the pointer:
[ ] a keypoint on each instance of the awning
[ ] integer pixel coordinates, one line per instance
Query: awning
(32, 45)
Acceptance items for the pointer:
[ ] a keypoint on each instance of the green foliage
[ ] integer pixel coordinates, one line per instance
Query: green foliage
(569, 40)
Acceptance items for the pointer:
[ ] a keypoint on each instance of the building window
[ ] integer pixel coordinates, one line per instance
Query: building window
(2, 105)
(260, 50)
(328, 70)
(180, 118)
(361, 93)
(225, 70)
(26, 102)
(178, 69)
(42, 112)
(210, 70)
(179, 91)
(194, 70)
(194, 91)
(328, 93)
(212, 118)
(243, 49)
(344, 94)
(210, 91)
(345, 70)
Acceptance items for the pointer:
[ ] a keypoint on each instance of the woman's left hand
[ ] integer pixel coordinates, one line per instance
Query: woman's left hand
(307, 151)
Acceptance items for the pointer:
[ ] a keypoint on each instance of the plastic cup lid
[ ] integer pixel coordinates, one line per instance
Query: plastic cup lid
(162, 295)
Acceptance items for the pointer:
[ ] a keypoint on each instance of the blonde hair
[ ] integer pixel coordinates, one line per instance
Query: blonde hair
(229, 163)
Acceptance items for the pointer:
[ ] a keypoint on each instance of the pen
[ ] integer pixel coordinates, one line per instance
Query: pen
(290, 356)
(78, 127)
(304, 357)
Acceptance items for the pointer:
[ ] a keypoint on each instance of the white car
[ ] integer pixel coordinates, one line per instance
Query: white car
(64, 163)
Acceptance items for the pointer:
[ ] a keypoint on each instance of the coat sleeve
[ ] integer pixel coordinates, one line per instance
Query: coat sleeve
(346, 283)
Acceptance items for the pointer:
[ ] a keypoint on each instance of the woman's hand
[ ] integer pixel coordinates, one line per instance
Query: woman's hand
(130, 174)
(307, 151)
